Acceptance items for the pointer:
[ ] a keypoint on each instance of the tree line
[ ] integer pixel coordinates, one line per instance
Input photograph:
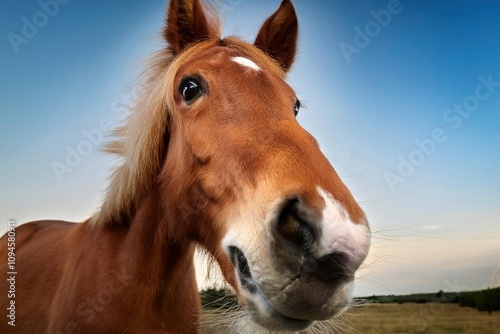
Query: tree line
(485, 300)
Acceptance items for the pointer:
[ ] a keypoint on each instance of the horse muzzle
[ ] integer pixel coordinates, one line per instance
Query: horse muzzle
(304, 270)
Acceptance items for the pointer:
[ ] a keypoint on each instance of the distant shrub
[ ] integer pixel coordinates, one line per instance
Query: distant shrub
(484, 300)
(466, 299)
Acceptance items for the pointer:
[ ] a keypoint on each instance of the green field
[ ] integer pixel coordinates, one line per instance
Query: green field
(405, 318)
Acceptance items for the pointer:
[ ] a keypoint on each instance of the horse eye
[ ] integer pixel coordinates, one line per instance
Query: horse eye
(296, 108)
(190, 89)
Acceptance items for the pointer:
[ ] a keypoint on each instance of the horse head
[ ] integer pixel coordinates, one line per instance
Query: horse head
(216, 133)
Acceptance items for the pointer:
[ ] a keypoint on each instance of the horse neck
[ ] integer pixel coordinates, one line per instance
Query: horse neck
(161, 261)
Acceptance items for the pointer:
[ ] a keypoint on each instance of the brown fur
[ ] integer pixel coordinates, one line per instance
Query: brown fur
(129, 268)
(280, 43)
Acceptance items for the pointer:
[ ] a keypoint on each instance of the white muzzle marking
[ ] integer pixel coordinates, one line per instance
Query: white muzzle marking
(339, 233)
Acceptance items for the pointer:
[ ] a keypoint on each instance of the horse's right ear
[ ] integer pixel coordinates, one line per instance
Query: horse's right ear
(278, 35)
(187, 23)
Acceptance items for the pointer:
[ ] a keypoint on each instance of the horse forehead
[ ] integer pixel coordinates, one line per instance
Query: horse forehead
(220, 60)
(230, 71)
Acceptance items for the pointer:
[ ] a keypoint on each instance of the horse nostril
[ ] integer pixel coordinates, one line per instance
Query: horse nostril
(334, 267)
(240, 262)
(293, 228)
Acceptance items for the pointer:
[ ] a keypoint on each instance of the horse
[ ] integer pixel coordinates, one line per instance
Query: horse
(212, 156)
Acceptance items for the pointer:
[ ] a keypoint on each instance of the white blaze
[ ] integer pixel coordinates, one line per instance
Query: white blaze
(246, 62)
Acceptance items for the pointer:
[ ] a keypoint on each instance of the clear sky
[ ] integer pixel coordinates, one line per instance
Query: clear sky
(403, 96)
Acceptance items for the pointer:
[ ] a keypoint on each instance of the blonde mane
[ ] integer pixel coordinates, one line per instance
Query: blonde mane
(142, 141)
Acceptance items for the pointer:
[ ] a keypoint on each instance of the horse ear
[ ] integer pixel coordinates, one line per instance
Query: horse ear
(278, 35)
(186, 23)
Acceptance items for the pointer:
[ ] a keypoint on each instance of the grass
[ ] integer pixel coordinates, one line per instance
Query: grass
(421, 318)
(412, 318)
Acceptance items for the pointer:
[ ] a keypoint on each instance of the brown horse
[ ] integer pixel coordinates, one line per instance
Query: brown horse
(212, 157)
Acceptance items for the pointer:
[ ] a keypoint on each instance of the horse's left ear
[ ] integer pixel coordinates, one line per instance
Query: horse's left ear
(278, 35)
(186, 24)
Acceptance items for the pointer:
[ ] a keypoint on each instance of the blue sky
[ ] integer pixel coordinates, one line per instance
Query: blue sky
(436, 228)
